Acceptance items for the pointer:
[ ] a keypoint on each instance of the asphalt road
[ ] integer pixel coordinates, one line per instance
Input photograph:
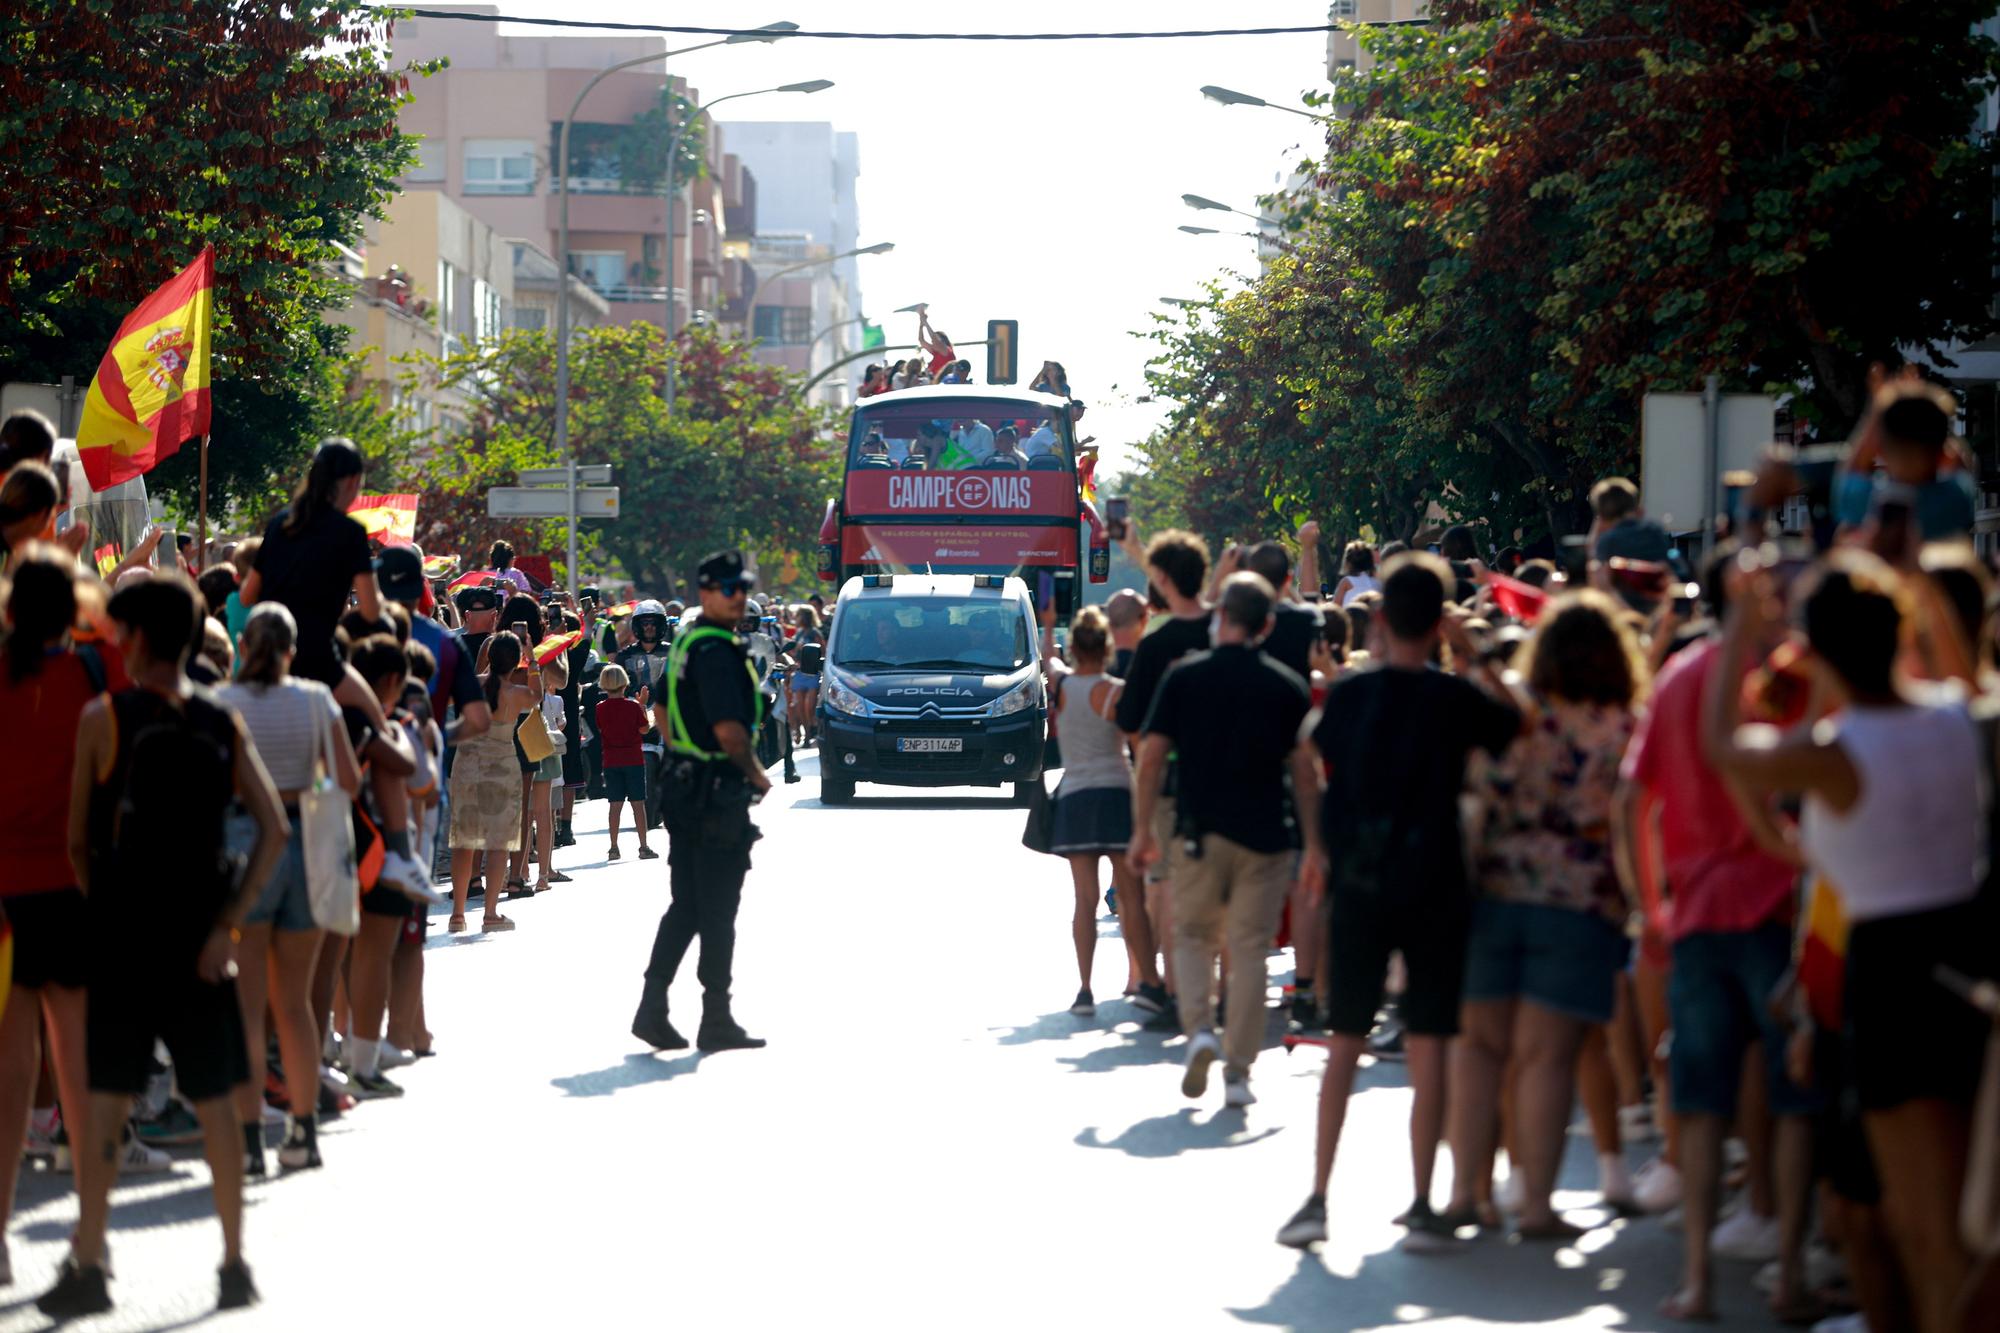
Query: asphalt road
(930, 1142)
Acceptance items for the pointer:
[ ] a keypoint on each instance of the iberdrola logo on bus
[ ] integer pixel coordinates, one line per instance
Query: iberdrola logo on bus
(961, 491)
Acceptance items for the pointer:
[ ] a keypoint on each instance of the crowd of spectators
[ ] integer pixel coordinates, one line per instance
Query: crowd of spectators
(1694, 832)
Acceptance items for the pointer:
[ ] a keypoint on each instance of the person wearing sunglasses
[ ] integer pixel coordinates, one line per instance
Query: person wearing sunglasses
(709, 709)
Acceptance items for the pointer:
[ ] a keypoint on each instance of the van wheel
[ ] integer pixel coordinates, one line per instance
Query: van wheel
(835, 791)
(1024, 792)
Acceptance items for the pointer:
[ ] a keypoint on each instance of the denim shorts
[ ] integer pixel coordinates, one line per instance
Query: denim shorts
(1718, 1002)
(804, 681)
(285, 903)
(1557, 957)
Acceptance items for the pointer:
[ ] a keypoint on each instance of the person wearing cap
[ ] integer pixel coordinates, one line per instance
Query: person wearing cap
(710, 710)
(479, 614)
(456, 698)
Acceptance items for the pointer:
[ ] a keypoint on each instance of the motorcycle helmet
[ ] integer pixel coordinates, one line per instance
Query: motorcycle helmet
(650, 612)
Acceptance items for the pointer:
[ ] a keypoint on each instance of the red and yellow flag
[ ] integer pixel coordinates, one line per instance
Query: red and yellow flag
(393, 518)
(549, 649)
(150, 393)
(107, 558)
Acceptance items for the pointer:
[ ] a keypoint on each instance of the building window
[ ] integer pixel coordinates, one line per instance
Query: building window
(485, 310)
(499, 166)
(602, 269)
(530, 317)
(429, 165)
(784, 323)
(1345, 10)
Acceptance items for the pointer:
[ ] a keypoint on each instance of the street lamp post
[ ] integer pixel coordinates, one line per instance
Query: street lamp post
(1230, 97)
(879, 248)
(674, 195)
(770, 32)
(1198, 202)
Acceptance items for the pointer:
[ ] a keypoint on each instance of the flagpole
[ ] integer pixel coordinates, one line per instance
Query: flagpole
(201, 508)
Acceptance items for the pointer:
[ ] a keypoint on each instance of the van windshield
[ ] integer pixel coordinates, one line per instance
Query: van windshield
(931, 634)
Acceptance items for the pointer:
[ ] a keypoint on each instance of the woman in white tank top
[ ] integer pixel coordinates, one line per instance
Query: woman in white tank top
(1093, 805)
(1894, 788)
(1357, 570)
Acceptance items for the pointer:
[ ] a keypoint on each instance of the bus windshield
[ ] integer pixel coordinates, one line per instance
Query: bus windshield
(931, 633)
(956, 436)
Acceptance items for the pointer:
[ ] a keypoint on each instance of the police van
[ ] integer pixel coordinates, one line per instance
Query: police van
(932, 680)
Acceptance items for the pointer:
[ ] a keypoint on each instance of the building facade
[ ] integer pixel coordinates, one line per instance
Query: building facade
(490, 126)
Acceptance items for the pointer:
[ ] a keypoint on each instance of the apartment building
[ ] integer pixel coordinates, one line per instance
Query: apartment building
(490, 123)
(1344, 55)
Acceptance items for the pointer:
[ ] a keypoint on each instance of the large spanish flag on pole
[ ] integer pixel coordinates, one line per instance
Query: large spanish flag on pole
(393, 518)
(150, 393)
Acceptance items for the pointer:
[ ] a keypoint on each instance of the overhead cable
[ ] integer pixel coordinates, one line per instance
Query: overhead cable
(692, 31)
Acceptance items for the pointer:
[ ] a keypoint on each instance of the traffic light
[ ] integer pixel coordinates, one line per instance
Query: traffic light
(1003, 351)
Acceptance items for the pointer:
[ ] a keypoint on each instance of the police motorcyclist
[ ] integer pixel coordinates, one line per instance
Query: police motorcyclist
(709, 709)
(645, 662)
(763, 650)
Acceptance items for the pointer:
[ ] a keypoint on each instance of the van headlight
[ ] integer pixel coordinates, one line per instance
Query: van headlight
(1017, 700)
(840, 698)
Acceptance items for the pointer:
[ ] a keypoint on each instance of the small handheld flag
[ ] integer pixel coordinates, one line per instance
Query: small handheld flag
(107, 558)
(549, 649)
(438, 566)
(150, 393)
(392, 518)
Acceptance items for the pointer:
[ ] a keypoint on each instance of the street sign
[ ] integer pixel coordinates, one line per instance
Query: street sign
(543, 502)
(587, 474)
(1003, 342)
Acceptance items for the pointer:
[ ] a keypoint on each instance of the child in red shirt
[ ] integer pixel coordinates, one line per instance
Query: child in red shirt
(621, 727)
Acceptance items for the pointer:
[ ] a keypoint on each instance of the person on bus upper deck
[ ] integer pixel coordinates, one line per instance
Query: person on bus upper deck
(1052, 379)
(874, 380)
(958, 372)
(1006, 451)
(1044, 440)
(937, 344)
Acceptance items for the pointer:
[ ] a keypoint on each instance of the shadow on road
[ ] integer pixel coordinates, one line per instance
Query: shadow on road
(1172, 1135)
(150, 1210)
(631, 1072)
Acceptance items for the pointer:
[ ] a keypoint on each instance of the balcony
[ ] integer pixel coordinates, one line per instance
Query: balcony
(615, 213)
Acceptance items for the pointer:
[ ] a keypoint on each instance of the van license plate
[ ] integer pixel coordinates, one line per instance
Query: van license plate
(930, 745)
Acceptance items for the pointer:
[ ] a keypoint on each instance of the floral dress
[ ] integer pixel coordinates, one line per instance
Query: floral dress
(1545, 817)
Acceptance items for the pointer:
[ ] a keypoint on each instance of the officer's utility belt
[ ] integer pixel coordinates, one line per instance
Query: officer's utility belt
(707, 785)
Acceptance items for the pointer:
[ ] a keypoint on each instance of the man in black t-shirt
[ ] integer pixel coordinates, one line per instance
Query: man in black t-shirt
(1233, 717)
(1295, 626)
(707, 707)
(1395, 741)
(1177, 568)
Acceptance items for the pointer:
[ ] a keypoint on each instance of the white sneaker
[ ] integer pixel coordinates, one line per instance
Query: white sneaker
(1615, 1182)
(1236, 1090)
(399, 872)
(1635, 1124)
(1744, 1235)
(1203, 1049)
(1657, 1186)
(333, 1080)
(137, 1158)
(41, 1141)
(395, 1057)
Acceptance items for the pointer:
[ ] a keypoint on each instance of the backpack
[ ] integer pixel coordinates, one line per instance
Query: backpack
(171, 788)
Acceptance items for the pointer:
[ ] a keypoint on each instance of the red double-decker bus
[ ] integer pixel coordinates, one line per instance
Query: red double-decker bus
(965, 479)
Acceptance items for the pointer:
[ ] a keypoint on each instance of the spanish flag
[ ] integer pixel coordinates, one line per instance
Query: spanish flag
(393, 518)
(150, 393)
(1086, 478)
(107, 558)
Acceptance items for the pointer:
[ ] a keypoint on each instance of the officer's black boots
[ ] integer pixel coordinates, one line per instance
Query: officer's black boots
(720, 1032)
(650, 1025)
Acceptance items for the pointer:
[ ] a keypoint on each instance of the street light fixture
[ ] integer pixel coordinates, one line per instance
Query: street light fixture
(1200, 231)
(1182, 301)
(1230, 97)
(879, 248)
(674, 194)
(770, 32)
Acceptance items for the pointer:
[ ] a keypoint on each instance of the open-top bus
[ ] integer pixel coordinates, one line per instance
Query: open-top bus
(933, 485)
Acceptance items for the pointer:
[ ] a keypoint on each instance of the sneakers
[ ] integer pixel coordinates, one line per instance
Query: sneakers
(44, 1135)
(651, 1026)
(1615, 1182)
(611, 855)
(1308, 1225)
(300, 1150)
(372, 1087)
(1386, 1042)
(1083, 1006)
(138, 1159)
(404, 875)
(1236, 1090)
(233, 1288)
(1657, 1186)
(394, 1057)
(1203, 1048)
(1151, 999)
(1304, 1008)
(1427, 1232)
(648, 854)
(173, 1126)
(1744, 1235)
(725, 1034)
(1635, 1123)
(77, 1292)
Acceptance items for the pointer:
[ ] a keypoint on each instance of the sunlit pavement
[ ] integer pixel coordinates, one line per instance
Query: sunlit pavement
(930, 1142)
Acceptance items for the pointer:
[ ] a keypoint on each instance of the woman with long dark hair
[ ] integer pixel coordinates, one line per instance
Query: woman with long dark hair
(486, 785)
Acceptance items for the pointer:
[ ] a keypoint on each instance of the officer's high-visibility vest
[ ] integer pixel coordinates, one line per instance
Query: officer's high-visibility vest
(677, 738)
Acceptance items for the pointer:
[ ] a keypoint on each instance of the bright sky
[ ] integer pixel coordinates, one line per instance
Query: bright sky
(1032, 181)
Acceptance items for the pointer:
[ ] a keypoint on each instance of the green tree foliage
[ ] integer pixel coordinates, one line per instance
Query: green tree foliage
(132, 133)
(1538, 211)
(740, 462)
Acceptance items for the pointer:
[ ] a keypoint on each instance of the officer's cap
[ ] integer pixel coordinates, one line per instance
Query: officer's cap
(722, 567)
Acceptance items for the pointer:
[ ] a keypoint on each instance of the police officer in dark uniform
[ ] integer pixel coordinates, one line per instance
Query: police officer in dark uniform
(709, 709)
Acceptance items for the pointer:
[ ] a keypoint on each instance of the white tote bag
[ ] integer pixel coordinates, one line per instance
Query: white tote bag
(325, 816)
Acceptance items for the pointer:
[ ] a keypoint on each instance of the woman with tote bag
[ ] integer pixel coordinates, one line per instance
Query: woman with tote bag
(486, 786)
(296, 728)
